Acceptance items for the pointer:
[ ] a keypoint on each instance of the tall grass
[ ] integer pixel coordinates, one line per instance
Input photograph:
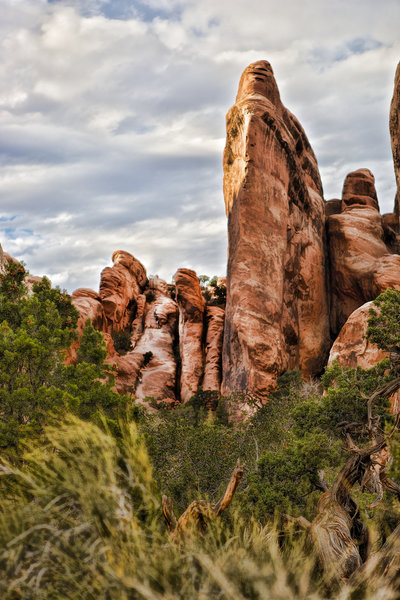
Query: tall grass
(81, 519)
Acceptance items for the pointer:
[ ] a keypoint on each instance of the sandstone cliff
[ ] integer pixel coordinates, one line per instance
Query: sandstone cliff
(277, 305)
(394, 126)
(300, 270)
(361, 264)
(175, 344)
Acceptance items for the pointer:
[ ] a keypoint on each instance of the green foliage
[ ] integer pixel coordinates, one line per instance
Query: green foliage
(384, 324)
(194, 449)
(122, 341)
(287, 479)
(147, 356)
(214, 294)
(81, 519)
(150, 296)
(203, 280)
(36, 387)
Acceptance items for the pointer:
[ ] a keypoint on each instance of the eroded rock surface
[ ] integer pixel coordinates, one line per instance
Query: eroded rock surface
(394, 126)
(351, 348)
(277, 306)
(215, 317)
(191, 323)
(165, 362)
(361, 264)
(120, 286)
(149, 370)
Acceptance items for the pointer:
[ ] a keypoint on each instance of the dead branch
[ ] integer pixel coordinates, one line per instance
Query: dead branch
(300, 521)
(168, 513)
(198, 514)
(321, 481)
(231, 488)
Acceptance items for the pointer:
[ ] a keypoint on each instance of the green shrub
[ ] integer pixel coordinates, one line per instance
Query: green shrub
(150, 296)
(122, 341)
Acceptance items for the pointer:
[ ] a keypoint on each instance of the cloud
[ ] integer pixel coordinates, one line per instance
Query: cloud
(112, 118)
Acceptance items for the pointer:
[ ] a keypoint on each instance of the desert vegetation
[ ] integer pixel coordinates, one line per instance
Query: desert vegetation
(103, 499)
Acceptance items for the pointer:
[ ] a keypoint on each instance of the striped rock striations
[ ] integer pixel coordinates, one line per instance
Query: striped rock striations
(300, 269)
(277, 305)
(175, 345)
(361, 263)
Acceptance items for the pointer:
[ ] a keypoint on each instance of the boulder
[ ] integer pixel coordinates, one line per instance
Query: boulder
(277, 315)
(351, 348)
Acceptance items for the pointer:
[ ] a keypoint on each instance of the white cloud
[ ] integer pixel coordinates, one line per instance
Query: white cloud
(112, 118)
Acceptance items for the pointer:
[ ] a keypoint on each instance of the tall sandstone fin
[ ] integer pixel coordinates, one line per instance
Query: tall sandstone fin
(277, 314)
(394, 126)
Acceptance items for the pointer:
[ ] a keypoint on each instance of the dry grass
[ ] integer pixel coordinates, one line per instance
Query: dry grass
(82, 520)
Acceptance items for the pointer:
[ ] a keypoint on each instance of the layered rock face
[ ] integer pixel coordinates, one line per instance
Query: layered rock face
(191, 323)
(176, 345)
(277, 306)
(394, 126)
(120, 286)
(300, 270)
(361, 264)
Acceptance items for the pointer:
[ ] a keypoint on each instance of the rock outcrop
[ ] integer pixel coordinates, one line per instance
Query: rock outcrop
(277, 305)
(191, 324)
(149, 369)
(120, 286)
(394, 127)
(300, 270)
(175, 344)
(361, 264)
(215, 317)
(351, 348)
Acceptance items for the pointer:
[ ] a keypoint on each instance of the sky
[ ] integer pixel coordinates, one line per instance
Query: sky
(112, 119)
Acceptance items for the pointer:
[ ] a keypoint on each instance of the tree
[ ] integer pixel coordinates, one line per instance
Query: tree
(384, 324)
(36, 387)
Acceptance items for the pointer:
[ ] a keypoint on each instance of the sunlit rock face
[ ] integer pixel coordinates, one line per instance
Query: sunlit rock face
(191, 328)
(361, 263)
(172, 340)
(394, 127)
(277, 315)
(120, 286)
(351, 348)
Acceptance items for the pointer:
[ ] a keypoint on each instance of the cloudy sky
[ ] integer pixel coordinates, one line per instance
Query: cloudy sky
(112, 117)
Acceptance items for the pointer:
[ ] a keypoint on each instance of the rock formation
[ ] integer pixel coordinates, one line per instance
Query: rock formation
(175, 345)
(394, 126)
(361, 264)
(191, 323)
(351, 348)
(149, 369)
(215, 317)
(277, 306)
(300, 270)
(120, 286)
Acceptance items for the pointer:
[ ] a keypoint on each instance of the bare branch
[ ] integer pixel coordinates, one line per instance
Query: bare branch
(231, 488)
(168, 512)
(301, 521)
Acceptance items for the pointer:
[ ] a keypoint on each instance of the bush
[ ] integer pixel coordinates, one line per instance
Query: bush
(36, 387)
(150, 296)
(122, 341)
